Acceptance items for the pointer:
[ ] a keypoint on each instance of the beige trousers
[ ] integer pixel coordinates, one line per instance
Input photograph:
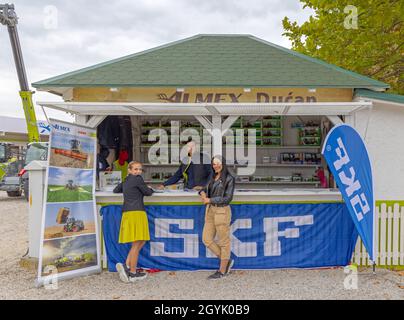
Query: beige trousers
(217, 222)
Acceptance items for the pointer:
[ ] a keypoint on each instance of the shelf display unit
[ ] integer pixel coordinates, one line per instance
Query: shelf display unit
(287, 153)
(148, 126)
(269, 131)
(310, 136)
(158, 173)
(272, 131)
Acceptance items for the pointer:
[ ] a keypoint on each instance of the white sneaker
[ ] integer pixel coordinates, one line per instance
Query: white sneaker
(122, 273)
(137, 276)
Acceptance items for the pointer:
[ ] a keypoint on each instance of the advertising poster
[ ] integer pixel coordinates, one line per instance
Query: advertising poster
(349, 162)
(69, 236)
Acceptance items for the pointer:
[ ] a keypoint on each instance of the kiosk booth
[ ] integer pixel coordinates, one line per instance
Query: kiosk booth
(270, 126)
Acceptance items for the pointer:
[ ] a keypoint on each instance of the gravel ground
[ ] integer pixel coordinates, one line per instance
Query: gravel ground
(18, 283)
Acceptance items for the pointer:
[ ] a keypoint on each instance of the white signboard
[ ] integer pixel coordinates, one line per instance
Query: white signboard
(69, 235)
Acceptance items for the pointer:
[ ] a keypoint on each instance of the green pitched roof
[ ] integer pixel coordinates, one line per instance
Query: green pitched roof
(397, 98)
(214, 60)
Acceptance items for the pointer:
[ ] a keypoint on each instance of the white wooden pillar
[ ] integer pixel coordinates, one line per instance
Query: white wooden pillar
(216, 135)
(217, 129)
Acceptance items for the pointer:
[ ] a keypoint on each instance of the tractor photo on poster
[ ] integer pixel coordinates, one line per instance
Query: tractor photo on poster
(71, 151)
(66, 184)
(69, 254)
(68, 219)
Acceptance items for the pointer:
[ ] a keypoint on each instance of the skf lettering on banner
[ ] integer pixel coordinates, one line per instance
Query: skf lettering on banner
(272, 244)
(272, 231)
(352, 185)
(162, 230)
(349, 162)
(263, 236)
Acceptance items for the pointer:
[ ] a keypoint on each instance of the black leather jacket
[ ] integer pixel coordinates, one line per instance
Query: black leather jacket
(220, 192)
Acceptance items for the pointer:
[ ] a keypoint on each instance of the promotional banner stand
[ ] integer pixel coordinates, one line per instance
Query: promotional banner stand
(69, 245)
(349, 162)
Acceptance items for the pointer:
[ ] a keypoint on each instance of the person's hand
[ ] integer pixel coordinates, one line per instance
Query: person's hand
(204, 198)
(160, 187)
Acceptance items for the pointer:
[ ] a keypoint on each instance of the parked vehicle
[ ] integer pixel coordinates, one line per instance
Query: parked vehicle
(11, 163)
(35, 151)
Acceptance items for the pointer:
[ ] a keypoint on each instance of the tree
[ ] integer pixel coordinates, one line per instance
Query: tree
(364, 36)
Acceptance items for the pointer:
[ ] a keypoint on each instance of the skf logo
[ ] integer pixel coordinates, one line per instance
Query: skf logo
(273, 231)
(353, 187)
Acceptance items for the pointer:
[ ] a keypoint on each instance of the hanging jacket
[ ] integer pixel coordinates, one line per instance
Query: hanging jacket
(108, 132)
(125, 135)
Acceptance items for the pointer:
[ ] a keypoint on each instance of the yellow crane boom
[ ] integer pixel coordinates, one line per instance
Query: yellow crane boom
(9, 18)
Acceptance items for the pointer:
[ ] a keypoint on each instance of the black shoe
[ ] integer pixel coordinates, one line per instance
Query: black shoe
(229, 266)
(126, 268)
(137, 276)
(216, 275)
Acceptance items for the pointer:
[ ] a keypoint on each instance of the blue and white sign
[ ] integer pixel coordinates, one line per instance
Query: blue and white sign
(348, 160)
(263, 236)
(43, 127)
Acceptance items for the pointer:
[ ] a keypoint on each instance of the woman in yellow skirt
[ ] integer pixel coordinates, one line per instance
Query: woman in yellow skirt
(134, 225)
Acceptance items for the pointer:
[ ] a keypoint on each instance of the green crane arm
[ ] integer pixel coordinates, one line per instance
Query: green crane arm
(30, 117)
(9, 18)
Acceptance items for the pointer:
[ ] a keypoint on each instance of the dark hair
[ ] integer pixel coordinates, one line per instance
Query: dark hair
(225, 170)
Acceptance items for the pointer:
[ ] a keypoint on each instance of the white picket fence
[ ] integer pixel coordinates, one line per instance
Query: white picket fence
(389, 237)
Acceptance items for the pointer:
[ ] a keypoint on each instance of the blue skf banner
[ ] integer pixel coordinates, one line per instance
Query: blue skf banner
(348, 160)
(263, 236)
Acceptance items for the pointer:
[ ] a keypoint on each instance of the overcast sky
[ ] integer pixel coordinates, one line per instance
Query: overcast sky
(62, 36)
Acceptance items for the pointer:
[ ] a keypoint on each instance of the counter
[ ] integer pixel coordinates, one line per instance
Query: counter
(290, 228)
(240, 196)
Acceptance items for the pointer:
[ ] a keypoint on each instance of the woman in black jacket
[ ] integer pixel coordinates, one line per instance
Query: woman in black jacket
(217, 196)
(134, 224)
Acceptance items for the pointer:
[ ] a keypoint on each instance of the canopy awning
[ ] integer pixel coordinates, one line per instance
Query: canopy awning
(208, 109)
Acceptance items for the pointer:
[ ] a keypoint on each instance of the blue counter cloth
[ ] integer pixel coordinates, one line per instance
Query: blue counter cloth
(264, 236)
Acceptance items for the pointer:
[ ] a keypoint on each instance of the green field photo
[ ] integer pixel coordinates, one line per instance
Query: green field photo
(57, 193)
(67, 185)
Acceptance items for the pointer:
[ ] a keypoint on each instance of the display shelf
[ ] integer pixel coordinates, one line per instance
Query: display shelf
(290, 147)
(280, 165)
(161, 165)
(275, 147)
(246, 146)
(309, 135)
(257, 182)
(164, 145)
(260, 165)
(279, 182)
